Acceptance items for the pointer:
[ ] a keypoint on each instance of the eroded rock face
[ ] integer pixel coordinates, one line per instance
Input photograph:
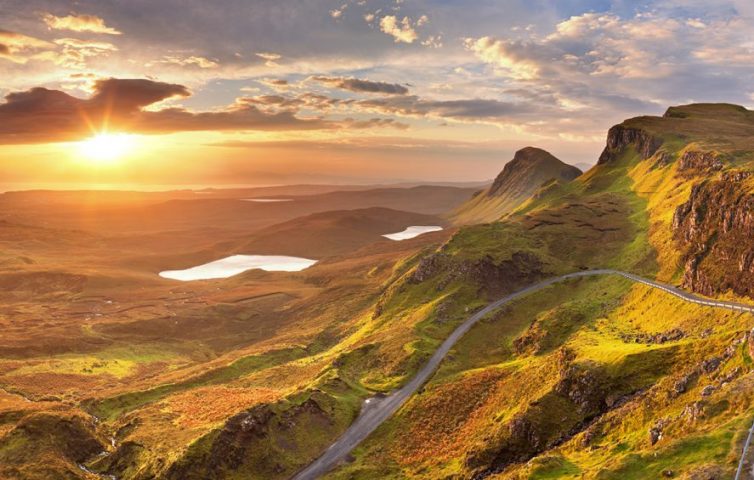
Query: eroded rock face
(229, 449)
(656, 432)
(428, 267)
(696, 162)
(716, 229)
(619, 137)
(584, 387)
(521, 269)
(671, 335)
(682, 385)
(240, 442)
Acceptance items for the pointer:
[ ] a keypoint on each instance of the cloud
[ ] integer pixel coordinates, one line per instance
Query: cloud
(193, 60)
(277, 84)
(79, 23)
(505, 54)
(433, 41)
(401, 31)
(362, 86)
(17, 47)
(74, 52)
(67, 52)
(604, 45)
(599, 68)
(338, 12)
(271, 58)
(43, 115)
(477, 109)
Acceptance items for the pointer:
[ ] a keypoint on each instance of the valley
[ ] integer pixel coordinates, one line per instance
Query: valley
(551, 324)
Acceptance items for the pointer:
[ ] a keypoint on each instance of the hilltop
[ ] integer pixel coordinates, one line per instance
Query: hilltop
(529, 169)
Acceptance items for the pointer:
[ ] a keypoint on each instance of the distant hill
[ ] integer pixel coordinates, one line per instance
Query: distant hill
(521, 177)
(332, 233)
(583, 166)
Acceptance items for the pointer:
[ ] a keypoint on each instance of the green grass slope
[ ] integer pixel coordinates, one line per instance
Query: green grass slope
(598, 378)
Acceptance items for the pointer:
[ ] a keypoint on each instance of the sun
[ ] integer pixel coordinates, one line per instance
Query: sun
(106, 148)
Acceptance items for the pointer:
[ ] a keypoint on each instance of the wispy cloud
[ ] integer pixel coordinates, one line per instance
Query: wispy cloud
(79, 23)
(363, 86)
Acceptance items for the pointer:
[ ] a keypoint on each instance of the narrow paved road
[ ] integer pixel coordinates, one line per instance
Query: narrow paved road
(378, 409)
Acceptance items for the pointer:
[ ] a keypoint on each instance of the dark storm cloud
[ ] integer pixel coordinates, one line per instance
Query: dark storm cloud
(361, 86)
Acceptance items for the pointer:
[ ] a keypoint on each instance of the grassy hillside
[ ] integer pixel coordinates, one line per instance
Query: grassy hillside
(598, 378)
(331, 233)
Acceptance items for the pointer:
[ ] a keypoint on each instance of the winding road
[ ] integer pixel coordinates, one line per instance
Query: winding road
(378, 409)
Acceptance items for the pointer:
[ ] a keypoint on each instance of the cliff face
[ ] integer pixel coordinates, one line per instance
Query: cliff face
(620, 136)
(713, 228)
(716, 229)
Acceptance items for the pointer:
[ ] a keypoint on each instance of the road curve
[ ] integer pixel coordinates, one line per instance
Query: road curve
(378, 409)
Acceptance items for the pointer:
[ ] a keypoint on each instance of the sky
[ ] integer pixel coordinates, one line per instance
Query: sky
(264, 92)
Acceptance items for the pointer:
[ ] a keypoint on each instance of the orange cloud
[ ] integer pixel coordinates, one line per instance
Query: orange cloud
(79, 23)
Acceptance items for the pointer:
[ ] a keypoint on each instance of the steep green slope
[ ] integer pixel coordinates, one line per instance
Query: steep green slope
(598, 378)
(521, 177)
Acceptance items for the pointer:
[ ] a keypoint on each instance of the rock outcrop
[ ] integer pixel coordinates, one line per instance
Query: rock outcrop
(715, 228)
(494, 277)
(620, 137)
(694, 161)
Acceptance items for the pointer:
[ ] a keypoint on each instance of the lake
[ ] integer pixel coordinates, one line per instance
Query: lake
(235, 264)
(412, 232)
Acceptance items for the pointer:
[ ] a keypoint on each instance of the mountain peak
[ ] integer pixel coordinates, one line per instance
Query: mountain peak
(530, 167)
(521, 177)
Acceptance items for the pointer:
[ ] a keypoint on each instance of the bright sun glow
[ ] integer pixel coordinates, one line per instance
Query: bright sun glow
(106, 147)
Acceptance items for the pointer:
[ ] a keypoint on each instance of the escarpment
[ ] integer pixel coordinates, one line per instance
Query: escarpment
(620, 136)
(716, 228)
